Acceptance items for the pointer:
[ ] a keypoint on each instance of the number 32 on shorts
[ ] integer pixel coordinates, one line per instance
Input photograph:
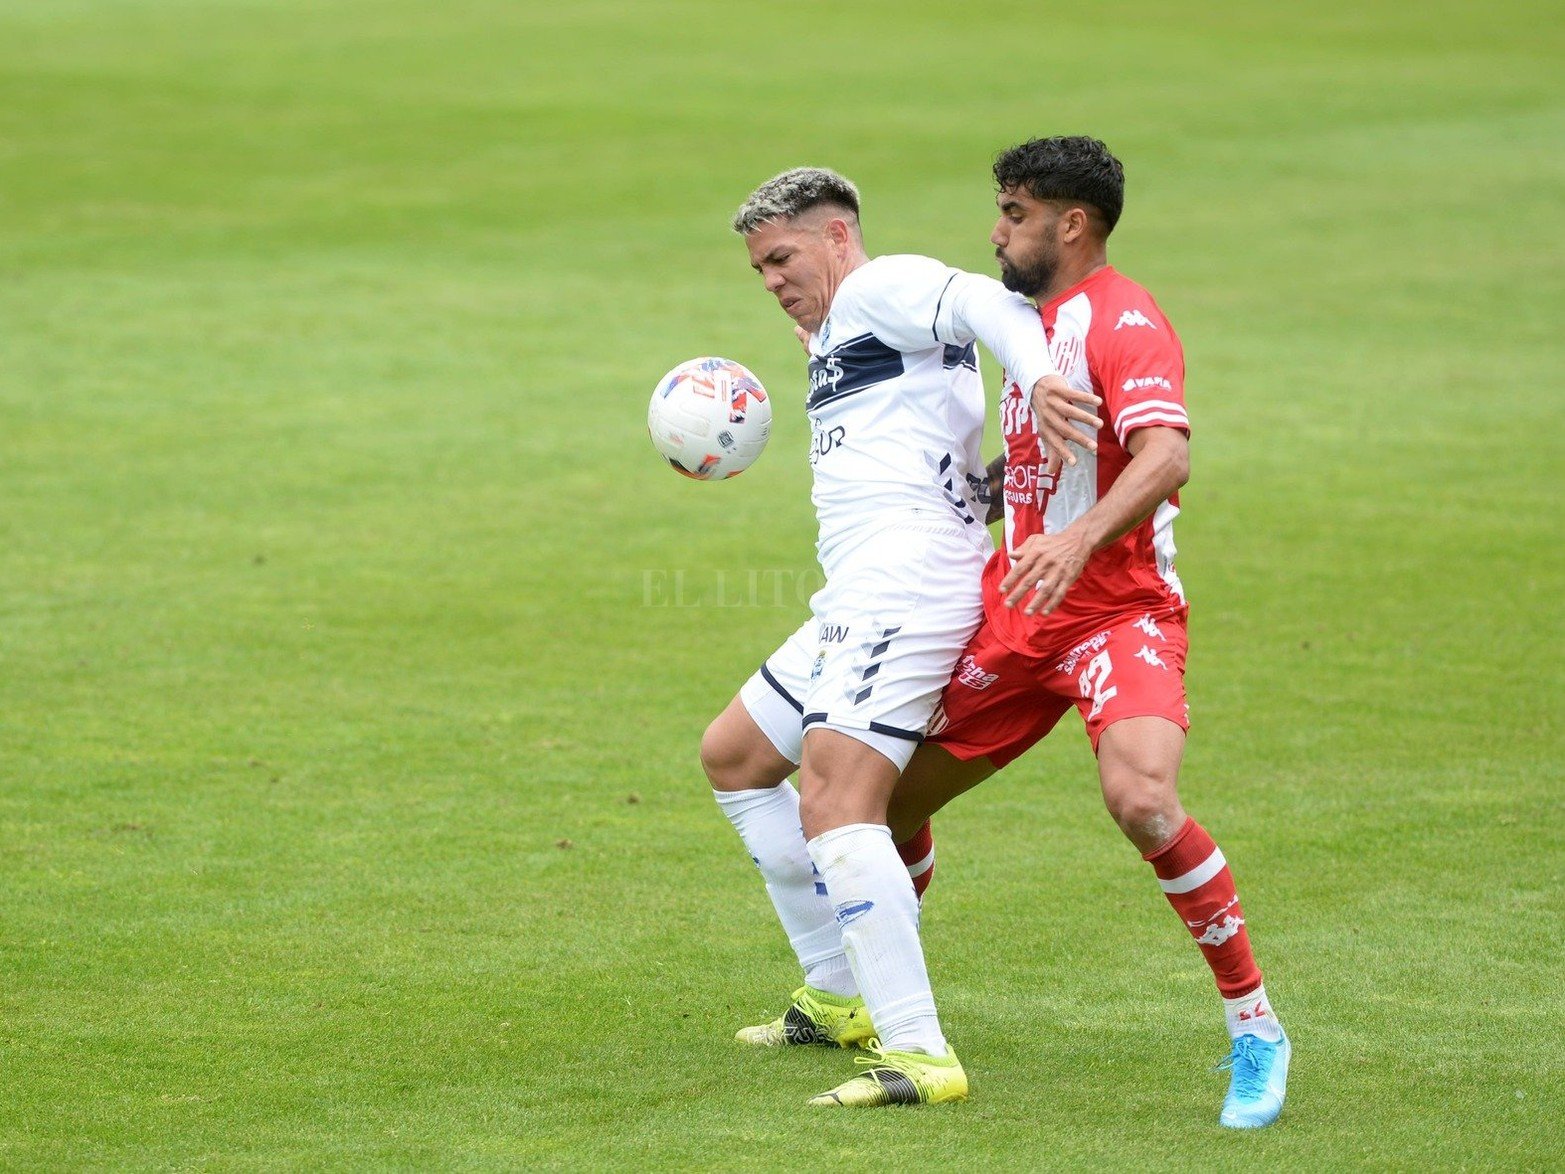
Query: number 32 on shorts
(1094, 681)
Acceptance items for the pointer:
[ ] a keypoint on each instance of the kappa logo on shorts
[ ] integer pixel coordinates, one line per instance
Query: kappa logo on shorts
(1151, 658)
(1148, 625)
(971, 674)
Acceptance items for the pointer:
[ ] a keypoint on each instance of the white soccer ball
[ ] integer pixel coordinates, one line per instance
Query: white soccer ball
(710, 418)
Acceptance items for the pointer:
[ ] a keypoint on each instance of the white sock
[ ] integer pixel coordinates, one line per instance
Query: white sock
(1252, 1015)
(875, 905)
(767, 820)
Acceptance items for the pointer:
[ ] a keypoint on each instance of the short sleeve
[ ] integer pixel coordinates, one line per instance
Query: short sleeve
(1140, 368)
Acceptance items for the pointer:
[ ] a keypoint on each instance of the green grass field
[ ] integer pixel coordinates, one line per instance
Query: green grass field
(354, 645)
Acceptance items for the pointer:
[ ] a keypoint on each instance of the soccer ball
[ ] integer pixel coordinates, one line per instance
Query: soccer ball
(710, 418)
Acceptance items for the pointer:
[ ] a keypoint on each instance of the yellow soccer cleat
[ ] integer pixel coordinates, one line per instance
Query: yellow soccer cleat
(899, 1078)
(815, 1017)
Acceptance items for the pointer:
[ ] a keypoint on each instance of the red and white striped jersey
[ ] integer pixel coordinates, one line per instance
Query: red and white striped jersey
(1107, 334)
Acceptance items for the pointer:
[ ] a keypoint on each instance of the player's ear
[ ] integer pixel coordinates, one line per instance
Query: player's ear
(1074, 223)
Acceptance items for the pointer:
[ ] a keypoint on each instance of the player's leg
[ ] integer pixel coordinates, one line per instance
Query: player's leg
(1139, 757)
(748, 752)
(892, 631)
(934, 776)
(991, 711)
(845, 783)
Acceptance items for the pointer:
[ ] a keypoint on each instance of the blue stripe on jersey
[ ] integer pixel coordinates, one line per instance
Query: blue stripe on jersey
(934, 331)
(845, 370)
(960, 356)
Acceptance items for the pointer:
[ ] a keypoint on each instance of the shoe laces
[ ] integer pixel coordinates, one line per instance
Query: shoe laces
(803, 1001)
(1250, 1062)
(878, 1057)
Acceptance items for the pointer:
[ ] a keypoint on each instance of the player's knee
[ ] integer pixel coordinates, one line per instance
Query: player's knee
(1143, 805)
(722, 758)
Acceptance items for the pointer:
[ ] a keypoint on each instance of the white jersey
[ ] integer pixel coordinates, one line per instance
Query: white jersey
(896, 404)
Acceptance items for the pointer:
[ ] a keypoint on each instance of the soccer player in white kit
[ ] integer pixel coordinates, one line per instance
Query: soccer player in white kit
(896, 409)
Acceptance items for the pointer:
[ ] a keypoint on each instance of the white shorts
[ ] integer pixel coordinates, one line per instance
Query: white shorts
(884, 636)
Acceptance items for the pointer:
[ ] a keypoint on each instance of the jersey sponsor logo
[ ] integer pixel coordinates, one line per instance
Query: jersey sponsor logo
(832, 633)
(1156, 381)
(857, 364)
(1016, 418)
(971, 674)
(1134, 318)
(825, 374)
(1028, 484)
(823, 440)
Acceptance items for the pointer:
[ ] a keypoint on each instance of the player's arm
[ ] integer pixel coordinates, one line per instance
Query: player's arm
(915, 302)
(973, 306)
(1046, 565)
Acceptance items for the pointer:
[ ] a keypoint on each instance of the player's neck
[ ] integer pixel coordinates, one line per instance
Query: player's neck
(851, 262)
(1072, 274)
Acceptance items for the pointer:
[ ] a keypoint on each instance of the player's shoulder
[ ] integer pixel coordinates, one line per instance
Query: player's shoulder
(896, 271)
(1120, 304)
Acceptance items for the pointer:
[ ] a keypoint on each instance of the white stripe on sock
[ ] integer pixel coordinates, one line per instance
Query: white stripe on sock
(1197, 876)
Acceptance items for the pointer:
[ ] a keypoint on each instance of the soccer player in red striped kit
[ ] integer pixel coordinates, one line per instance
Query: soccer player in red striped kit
(1082, 606)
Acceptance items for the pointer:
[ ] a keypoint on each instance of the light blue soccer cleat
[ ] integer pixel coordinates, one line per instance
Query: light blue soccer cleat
(1258, 1083)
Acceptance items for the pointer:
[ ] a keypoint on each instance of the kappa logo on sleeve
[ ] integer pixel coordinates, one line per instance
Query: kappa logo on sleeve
(1134, 318)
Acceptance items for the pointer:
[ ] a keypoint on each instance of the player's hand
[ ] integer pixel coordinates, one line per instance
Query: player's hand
(1060, 408)
(803, 336)
(1045, 566)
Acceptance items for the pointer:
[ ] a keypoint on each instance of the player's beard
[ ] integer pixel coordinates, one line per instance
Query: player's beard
(1030, 277)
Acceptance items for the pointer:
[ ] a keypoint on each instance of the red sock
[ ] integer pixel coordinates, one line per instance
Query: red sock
(918, 854)
(1197, 883)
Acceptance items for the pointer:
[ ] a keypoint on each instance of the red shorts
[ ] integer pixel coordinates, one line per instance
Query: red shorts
(1000, 702)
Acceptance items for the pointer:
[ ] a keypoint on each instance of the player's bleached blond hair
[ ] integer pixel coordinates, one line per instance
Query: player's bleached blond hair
(798, 190)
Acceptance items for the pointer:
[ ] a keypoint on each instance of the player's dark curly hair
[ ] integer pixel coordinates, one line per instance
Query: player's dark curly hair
(1066, 167)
